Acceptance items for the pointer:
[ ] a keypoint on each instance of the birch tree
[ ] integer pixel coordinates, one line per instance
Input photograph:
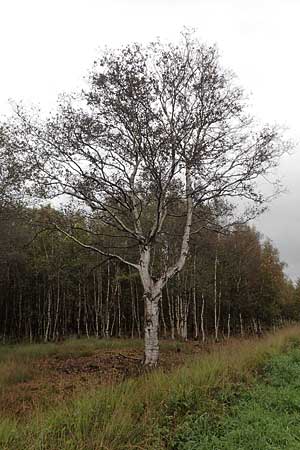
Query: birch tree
(160, 131)
(9, 174)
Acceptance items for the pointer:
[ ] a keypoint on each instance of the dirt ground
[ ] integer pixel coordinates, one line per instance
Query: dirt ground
(58, 378)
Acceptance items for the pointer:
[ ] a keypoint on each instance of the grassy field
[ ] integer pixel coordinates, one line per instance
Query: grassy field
(266, 417)
(201, 398)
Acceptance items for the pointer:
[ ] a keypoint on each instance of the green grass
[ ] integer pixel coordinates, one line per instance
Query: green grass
(266, 417)
(160, 410)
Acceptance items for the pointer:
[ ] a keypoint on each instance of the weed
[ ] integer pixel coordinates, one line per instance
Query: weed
(266, 417)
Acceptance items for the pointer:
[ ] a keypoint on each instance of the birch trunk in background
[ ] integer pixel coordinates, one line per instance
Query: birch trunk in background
(202, 319)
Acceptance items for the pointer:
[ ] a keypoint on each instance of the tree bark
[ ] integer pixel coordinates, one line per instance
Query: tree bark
(216, 324)
(107, 306)
(202, 319)
(56, 309)
(47, 332)
(228, 325)
(241, 324)
(151, 331)
(171, 313)
(162, 315)
(196, 326)
(153, 288)
(79, 312)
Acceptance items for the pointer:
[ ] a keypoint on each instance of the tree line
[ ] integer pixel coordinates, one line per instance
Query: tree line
(232, 284)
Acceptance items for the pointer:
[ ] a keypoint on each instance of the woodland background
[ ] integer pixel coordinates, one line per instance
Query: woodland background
(233, 283)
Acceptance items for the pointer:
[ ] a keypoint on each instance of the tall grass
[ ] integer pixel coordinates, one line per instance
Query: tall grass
(68, 347)
(16, 360)
(266, 417)
(144, 413)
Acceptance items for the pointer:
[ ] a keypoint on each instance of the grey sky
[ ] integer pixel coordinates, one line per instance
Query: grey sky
(47, 46)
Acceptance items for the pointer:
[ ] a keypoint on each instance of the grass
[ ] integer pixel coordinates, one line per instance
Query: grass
(265, 417)
(16, 360)
(152, 412)
(69, 347)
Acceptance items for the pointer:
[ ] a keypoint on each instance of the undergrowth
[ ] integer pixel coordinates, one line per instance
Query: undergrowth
(158, 410)
(16, 361)
(265, 417)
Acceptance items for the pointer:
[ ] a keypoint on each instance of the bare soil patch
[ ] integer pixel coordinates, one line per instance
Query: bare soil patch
(57, 378)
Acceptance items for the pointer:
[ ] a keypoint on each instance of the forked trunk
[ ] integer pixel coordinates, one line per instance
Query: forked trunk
(153, 288)
(151, 331)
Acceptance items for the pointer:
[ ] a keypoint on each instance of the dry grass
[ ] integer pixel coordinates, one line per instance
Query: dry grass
(38, 376)
(143, 413)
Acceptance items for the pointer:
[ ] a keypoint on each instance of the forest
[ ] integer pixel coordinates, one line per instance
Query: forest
(232, 284)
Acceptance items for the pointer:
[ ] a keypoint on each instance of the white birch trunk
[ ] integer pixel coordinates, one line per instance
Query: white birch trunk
(153, 289)
(152, 296)
(151, 331)
(196, 327)
(171, 313)
(255, 328)
(228, 325)
(202, 319)
(216, 298)
(241, 324)
(47, 332)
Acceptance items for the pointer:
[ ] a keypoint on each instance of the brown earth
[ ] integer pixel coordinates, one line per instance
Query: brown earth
(56, 379)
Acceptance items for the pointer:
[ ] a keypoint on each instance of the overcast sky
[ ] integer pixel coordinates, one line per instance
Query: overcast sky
(47, 46)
